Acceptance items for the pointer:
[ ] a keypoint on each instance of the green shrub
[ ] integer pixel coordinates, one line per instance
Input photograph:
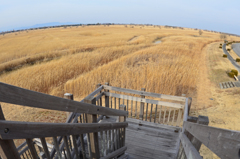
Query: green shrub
(237, 59)
(235, 72)
(228, 49)
(220, 44)
(220, 47)
(224, 55)
(231, 74)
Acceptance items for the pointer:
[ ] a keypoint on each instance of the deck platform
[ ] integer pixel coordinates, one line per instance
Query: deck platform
(146, 140)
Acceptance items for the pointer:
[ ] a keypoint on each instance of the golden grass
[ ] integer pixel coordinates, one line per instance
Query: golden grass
(81, 57)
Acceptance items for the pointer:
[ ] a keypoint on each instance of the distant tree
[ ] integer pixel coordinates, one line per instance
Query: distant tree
(200, 32)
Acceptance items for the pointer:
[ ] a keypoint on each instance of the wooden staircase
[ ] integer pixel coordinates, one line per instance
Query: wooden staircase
(112, 122)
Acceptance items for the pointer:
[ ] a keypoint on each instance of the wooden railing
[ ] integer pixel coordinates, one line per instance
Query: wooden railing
(81, 135)
(195, 132)
(163, 109)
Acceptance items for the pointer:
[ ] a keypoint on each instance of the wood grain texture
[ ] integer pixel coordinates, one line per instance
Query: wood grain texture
(115, 153)
(156, 95)
(151, 101)
(15, 95)
(22, 130)
(7, 147)
(32, 148)
(189, 149)
(224, 143)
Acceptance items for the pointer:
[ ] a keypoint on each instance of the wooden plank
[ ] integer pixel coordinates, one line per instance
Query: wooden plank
(23, 130)
(7, 147)
(99, 96)
(189, 149)
(146, 112)
(221, 85)
(141, 112)
(224, 143)
(15, 95)
(151, 101)
(151, 113)
(56, 146)
(74, 139)
(83, 146)
(32, 148)
(136, 110)
(45, 148)
(123, 130)
(115, 153)
(93, 136)
(106, 97)
(156, 95)
(155, 113)
(65, 139)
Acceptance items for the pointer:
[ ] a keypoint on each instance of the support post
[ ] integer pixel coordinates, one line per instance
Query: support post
(92, 118)
(189, 104)
(122, 131)
(68, 96)
(106, 97)
(7, 147)
(142, 106)
(100, 104)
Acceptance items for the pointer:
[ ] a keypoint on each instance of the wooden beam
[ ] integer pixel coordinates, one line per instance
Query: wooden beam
(224, 143)
(7, 147)
(156, 95)
(115, 153)
(92, 118)
(141, 113)
(70, 97)
(106, 97)
(32, 148)
(189, 149)
(174, 105)
(23, 130)
(122, 130)
(15, 95)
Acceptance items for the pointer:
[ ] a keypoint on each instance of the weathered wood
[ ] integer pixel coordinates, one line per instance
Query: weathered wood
(123, 130)
(192, 119)
(23, 130)
(7, 147)
(45, 148)
(156, 95)
(70, 97)
(136, 110)
(93, 136)
(56, 146)
(141, 113)
(224, 143)
(15, 95)
(146, 112)
(204, 121)
(160, 114)
(151, 112)
(32, 148)
(179, 117)
(189, 104)
(65, 139)
(115, 153)
(74, 139)
(106, 97)
(131, 108)
(151, 101)
(189, 149)
(155, 114)
(83, 146)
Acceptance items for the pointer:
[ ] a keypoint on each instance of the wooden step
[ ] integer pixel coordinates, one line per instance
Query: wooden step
(229, 84)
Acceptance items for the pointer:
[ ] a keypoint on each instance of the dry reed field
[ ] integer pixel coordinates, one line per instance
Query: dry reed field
(75, 59)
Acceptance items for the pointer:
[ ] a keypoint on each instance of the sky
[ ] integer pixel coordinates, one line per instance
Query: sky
(217, 15)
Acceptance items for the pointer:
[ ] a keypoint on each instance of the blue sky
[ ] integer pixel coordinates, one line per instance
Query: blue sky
(218, 15)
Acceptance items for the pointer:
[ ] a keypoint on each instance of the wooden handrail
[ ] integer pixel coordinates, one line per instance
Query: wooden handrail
(156, 95)
(23, 130)
(20, 96)
(188, 147)
(224, 143)
(174, 105)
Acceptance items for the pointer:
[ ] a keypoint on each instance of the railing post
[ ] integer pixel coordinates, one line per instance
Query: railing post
(7, 147)
(100, 104)
(106, 97)
(68, 96)
(142, 106)
(204, 121)
(122, 131)
(92, 118)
